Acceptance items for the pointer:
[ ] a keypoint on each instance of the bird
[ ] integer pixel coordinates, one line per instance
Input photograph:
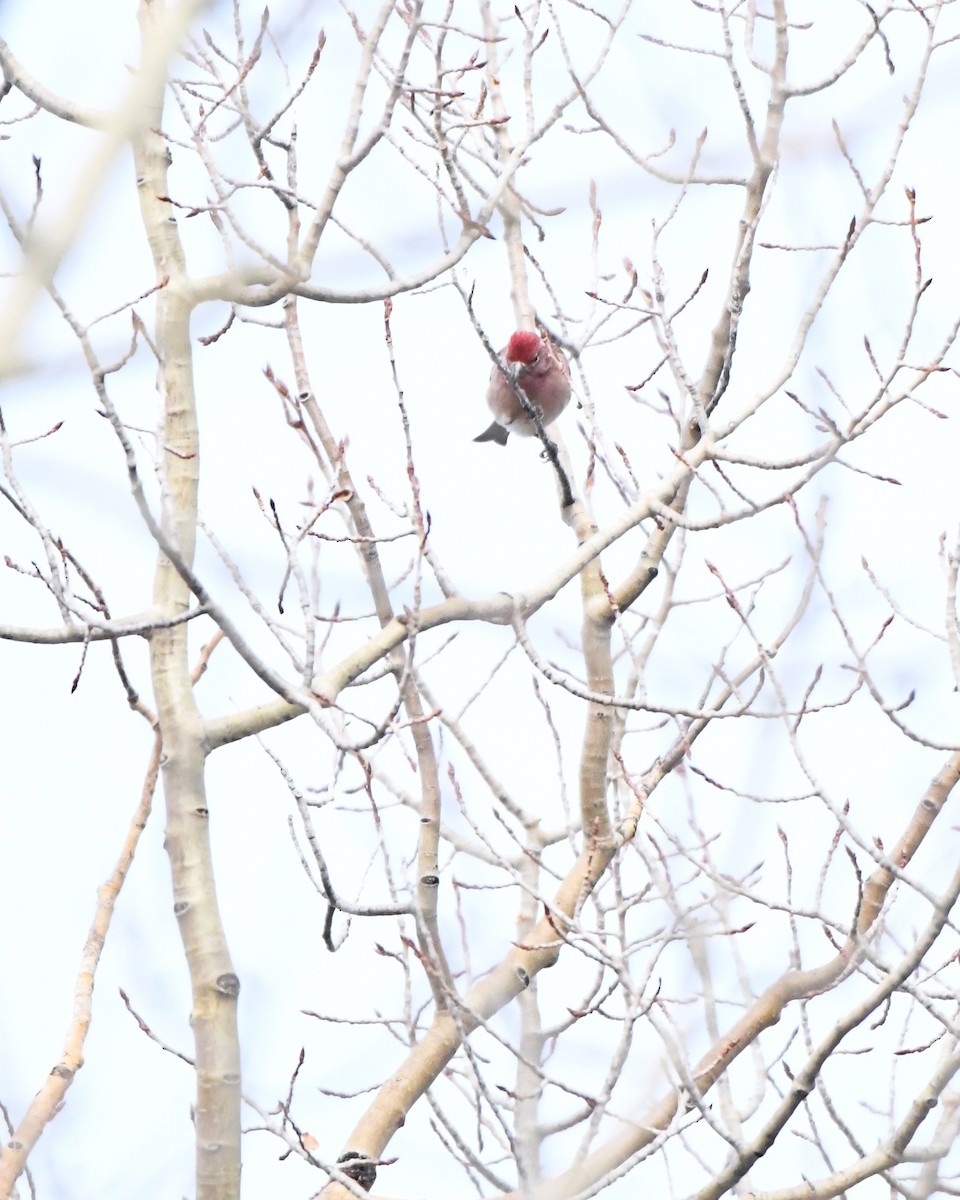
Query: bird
(541, 372)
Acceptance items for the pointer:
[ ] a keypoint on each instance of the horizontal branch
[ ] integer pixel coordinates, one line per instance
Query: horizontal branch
(141, 625)
(33, 89)
(497, 610)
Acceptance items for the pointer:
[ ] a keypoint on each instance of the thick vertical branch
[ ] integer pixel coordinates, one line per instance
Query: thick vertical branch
(213, 982)
(595, 634)
(529, 1082)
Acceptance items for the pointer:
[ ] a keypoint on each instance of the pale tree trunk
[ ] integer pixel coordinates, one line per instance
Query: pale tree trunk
(214, 984)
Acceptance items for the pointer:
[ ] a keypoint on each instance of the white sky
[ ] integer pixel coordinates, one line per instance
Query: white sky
(72, 764)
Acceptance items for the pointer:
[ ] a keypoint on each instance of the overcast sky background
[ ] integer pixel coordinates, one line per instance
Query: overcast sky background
(72, 764)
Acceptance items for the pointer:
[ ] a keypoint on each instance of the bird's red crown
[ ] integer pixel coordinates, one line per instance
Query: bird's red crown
(523, 347)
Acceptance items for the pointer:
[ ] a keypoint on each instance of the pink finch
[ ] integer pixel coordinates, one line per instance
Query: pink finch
(542, 374)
